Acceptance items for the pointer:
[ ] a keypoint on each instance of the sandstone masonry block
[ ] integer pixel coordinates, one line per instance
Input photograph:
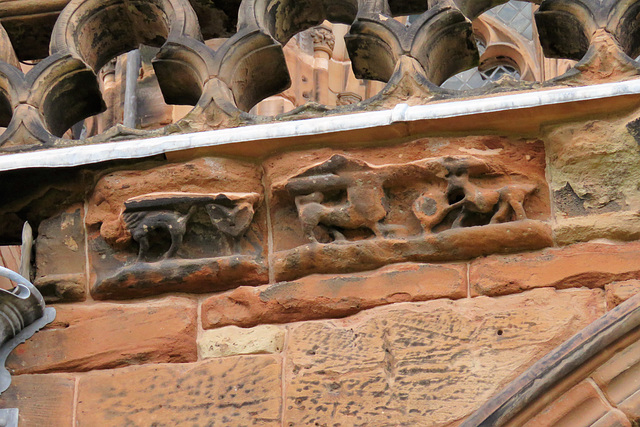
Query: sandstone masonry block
(618, 379)
(42, 400)
(232, 340)
(590, 265)
(99, 336)
(60, 257)
(321, 296)
(428, 363)
(580, 406)
(236, 391)
(618, 292)
(623, 226)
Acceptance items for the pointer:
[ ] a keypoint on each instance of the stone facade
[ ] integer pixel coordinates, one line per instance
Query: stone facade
(317, 218)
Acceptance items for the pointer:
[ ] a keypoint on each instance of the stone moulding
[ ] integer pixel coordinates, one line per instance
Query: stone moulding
(450, 245)
(22, 313)
(557, 365)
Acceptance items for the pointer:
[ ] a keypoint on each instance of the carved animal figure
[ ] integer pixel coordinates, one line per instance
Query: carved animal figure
(231, 221)
(363, 208)
(431, 208)
(141, 223)
(509, 199)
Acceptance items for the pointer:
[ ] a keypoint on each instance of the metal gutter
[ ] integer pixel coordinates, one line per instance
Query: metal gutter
(402, 113)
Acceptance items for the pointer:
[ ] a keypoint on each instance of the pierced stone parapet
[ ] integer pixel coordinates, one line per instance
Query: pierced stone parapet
(225, 83)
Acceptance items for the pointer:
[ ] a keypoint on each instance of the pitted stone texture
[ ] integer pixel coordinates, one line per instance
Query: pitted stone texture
(42, 400)
(60, 257)
(591, 265)
(618, 292)
(425, 363)
(232, 341)
(320, 297)
(100, 336)
(236, 391)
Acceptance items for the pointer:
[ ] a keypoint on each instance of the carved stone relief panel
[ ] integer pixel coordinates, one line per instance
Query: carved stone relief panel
(427, 201)
(194, 227)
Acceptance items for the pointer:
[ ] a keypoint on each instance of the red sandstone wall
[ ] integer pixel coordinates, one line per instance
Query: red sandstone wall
(278, 332)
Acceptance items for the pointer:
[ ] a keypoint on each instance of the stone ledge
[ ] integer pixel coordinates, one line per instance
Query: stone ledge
(589, 264)
(99, 336)
(322, 296)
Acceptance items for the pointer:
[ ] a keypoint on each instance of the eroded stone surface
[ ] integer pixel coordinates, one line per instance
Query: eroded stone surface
(588, 264)
(432, 362)
(232, 340)
(99, 336)
(60, 257)
(618, 292)
(236, 391)
(319, 296)
(602, 176)
(449, 245)
(197, 276)
(42, 400)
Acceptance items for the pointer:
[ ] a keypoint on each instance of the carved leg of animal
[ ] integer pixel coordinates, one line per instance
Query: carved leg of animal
(518, 209)
(502, 214)
(378, 229)
(310, 217)
(176, 242)
(337, 236)
(457, 223)
(143, 242)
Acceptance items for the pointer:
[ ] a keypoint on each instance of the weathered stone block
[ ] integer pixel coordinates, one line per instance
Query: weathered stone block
(318, 297)
(427, 363)
(199, 226)
(99, 336)
(42, 400)
(238, 391)
(622, 226)
(589, 265)
(232, 341)
(589, 176)
(60, 257)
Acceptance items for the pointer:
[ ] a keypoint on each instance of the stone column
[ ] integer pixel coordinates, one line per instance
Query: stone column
(323, 43)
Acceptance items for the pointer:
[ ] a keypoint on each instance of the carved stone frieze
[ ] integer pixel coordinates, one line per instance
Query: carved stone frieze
(195, 233)
(354, 215)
